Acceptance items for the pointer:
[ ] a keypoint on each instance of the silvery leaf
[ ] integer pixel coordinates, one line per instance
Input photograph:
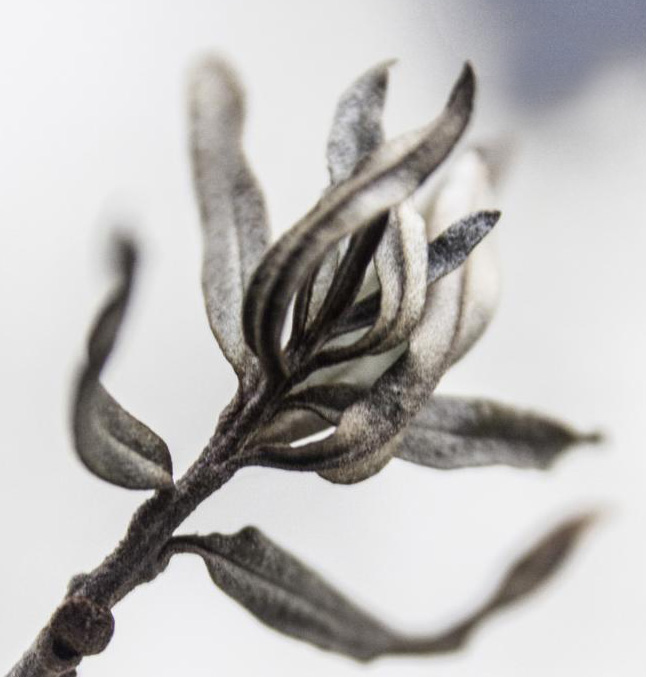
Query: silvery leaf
(111, 442)
(454, 432)
(232, 208)
(289, 597)
(357, 130)
(389, 176)
(468, 187)
(395, 398)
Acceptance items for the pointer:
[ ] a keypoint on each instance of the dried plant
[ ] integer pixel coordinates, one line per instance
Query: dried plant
(344, 326)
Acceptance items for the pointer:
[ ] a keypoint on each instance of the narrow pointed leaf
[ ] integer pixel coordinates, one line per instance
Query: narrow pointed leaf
(401, 267)
(389, 176)
(356, 132)
(357, 129)
(232, 208)
(453, 432)
(445, 253)
(469, 186)
(109, 441)
(285, 594)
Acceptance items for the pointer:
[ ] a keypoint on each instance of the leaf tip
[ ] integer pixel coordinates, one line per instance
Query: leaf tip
(463, 91)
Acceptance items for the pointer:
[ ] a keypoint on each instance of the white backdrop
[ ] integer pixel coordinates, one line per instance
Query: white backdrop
(92, 131)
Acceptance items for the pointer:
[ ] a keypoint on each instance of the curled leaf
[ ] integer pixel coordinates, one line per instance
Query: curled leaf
(389, 176)
(453, 432)
(395, 398)
(445, 253)
(289, 597)
(232, 208)
(109, 441)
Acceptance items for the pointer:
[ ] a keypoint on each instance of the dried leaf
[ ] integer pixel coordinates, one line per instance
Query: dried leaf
(468, 187)
(288, 426)
(232, 208)
(289, 597)
(400, 265)
(109, 441)
(523, 578)
(285, 594)
(453, 432)
(396, 397)
(445, 253)
(389, 176)
(348, 278)
(357, 130)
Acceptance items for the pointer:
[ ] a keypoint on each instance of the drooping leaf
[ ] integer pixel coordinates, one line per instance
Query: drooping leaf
(289, 597)
(467, 187)
(285, 594)
(232, 208)
(389, 176)
(453, 432)
(109, 441)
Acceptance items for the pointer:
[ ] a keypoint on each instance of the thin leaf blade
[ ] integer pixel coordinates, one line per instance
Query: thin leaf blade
(391, 174)
(357, 127)
(110, 442)
(232, 208)
(285, 594)
(454, 432)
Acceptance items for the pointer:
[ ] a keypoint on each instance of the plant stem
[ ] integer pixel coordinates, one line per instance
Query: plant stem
(135, 560)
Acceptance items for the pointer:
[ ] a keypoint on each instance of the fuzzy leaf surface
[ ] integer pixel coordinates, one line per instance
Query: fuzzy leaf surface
(389, 176)
(291, 598)
(285, 594)
(454, 432)
(232, 207)
(112, 443)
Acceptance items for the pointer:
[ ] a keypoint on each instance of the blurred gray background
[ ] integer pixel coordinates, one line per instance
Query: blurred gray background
(92, 133)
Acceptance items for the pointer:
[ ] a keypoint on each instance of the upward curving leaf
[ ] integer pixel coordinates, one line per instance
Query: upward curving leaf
(232, 208)
(357, 129)
(389, 176)
(368, 426)
(455, 432)
(356, 133)
(109, 441)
